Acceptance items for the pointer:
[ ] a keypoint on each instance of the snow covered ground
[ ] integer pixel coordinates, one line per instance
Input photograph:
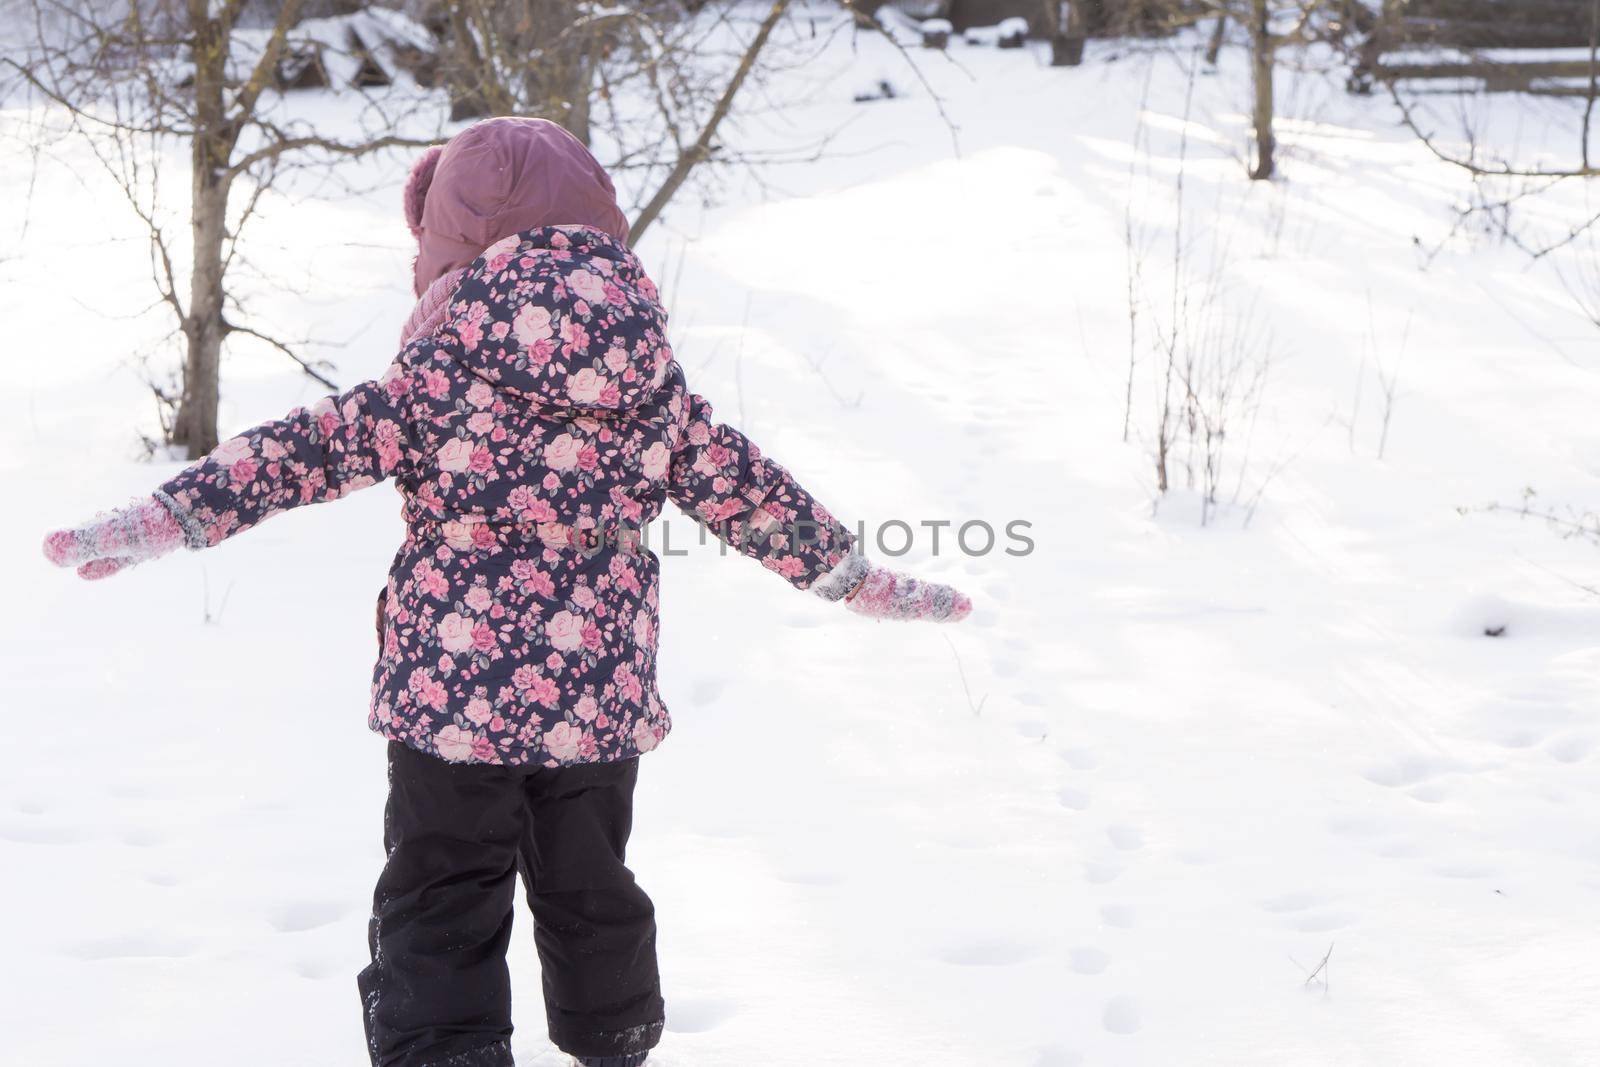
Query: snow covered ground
(1187, 760)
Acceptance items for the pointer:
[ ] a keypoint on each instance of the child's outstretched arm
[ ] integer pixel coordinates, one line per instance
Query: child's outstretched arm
(720, 478)
(336, 446)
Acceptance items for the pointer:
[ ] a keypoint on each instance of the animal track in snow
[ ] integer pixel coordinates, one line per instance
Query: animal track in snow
(1073, 799)
(1121, 1016)
(1517, 738)
(1466, 870)
(142, 837)
(1057, 1056)
(1125, 838)
(1408, 770)
(1358, 826)
(133, 947)
(1399, 849)
(696, 1015)
(1032, 729)
(1429, 793)
(1085, 960)
(1322, 922)
(36, 832)
(706, 690)
(1570, 749)
(1288, 902)
(300, 915)
(994, 952)
(1080, 759)
(1101, 873)
(312, 968)
(1117, 915)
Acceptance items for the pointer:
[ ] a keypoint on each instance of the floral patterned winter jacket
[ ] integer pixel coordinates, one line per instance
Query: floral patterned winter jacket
(531, 436)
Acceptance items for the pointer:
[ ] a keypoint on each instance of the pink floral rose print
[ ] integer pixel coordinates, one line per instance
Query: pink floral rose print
(563, 453)
(455, 633)
(587, 286)
(532, 325)
(545, 412)
(455, 455)
(564, 631)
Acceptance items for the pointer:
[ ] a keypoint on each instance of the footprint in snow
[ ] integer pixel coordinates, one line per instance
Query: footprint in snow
(1079, 759)
(1465, 870)
(142, 837)
(1322, 922)
(313, 969)
(143, 946)
(1085, 960)
(1288, 902)
(1032, 729)
(1101, 873)
(1358, 826)
(696, 1015)
(1517, 738)
(1119, 916)
(1429, 793)
(1125, 838)
(1057, 1056)
(706, 690)
(1121, 1016)
(297, 916)
(1407, 770)
(1073, 799)
(35, 832)
(997, 952)
(1571, 749)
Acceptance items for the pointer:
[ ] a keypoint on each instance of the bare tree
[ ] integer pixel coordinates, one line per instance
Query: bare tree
(1207, 355)
(1457, 128)
(135, 80)
(649, 85)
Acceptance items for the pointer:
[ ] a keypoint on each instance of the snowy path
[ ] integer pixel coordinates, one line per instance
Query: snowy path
(1203, 756)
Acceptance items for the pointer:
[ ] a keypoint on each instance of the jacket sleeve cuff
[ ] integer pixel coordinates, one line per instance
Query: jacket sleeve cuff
(194, 534)
(843, 579)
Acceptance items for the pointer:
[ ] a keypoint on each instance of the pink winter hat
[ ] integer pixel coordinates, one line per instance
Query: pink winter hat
(500, 177)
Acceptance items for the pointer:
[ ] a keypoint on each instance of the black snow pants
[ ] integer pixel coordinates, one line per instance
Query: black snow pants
(438, 992)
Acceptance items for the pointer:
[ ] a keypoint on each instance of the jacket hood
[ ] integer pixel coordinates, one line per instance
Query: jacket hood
(563, 317)
(499, 177)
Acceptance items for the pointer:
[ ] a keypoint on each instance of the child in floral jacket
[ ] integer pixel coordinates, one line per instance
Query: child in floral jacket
(534, 421)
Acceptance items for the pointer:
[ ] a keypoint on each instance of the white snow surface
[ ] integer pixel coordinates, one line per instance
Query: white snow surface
(1186, 761)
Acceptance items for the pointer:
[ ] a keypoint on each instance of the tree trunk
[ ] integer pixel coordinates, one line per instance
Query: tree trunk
(204, 326)
(578, 93)
(1219, 34)
(1261, 68)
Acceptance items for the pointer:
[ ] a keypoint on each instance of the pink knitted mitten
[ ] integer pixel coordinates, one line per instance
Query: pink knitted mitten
(142, 530)
(879, 593)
